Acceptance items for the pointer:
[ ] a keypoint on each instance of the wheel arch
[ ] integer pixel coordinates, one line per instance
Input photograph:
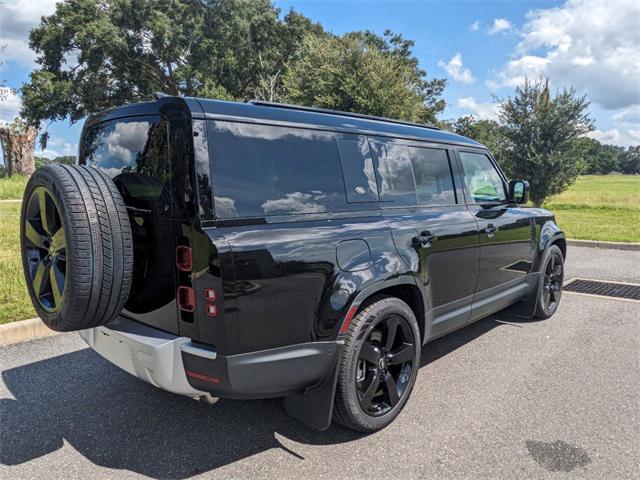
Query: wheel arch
(404, 287)
(551, 234)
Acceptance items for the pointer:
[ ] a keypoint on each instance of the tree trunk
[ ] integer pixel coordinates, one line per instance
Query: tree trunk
(18, 150)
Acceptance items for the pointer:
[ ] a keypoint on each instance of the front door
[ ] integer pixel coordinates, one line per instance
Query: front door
(507, 245)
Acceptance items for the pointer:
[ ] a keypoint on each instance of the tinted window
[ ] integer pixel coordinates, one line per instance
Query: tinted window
(357, 168)
(395, 173)
(133, 152)
(432, 174)
(484, 184)
(261, 170)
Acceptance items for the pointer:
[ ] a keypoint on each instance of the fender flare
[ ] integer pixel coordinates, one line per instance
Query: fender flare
(372, 289)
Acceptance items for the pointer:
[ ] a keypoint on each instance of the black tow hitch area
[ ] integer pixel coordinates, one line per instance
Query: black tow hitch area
(314, 407)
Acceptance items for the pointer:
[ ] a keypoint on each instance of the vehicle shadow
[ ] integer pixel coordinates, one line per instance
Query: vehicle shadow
(119, 422)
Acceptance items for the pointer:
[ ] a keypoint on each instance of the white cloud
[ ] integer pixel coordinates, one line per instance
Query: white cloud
(475, 26)
(615, 136)
(58, 147)
(592, 45)
(296, 202)
(10, 105)
(482, 111)
(499, 25)
(625, 131)
(629, 117)
(457, 70)
(17, 18)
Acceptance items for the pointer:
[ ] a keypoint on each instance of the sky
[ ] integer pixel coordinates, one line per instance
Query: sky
(483, 49)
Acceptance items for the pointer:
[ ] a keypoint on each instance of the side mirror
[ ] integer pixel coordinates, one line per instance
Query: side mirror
(519, 191)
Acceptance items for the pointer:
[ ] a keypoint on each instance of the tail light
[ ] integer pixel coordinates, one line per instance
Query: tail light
(210, 295)
(184, 258)
(186, 299)
(211, 310)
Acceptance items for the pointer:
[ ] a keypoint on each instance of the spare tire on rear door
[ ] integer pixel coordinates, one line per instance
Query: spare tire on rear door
(77, 250)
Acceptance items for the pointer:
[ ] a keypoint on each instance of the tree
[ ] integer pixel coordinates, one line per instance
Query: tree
(597, 159)
(18, 144)
(363, 73)
(96, 54)
(540, 133)
(17, 139)
(630, 160)
(487, 132)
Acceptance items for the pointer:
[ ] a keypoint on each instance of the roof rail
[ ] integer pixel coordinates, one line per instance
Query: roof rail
(341, 113)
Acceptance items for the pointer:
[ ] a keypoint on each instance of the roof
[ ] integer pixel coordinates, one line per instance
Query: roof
(269, 112)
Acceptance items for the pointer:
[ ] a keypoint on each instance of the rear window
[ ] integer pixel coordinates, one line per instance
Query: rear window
(133, 152)
(263, 170)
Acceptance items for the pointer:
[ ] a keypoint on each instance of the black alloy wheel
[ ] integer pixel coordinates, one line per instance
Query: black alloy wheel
(552, 282)
(385, 363)
(378, 365)
(46, 249)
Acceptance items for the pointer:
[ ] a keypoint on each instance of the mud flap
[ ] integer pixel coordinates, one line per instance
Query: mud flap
(527, 307)
(315, 406)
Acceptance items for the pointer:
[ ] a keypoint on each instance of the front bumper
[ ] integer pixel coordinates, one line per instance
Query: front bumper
(163, 360)
(147, 353)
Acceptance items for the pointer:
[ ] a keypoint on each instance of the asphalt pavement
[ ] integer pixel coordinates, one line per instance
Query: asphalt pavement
(503, 398)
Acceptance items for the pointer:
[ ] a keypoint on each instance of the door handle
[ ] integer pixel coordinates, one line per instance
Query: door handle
(491, 229)
(425, 239)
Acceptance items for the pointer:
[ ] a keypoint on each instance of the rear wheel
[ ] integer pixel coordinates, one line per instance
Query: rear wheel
(378, 366)
(77, 251)
(551, 278)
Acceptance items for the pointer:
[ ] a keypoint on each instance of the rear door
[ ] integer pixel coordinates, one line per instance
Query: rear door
(506, 232)
(133, 151)
(422, 200)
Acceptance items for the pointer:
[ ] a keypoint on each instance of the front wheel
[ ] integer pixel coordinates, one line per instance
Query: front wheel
(378, 365)
(551, 279)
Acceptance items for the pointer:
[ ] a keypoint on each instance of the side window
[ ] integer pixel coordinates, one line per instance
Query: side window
(262, 170)
(482, 179)
(432, 172)
(396, 176)
(357, 168)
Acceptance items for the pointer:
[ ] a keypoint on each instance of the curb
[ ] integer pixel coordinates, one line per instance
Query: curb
(606, 245)
(23, 331)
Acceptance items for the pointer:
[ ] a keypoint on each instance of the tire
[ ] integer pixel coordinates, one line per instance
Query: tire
(550, 285)
(354, 406)
(78, 263)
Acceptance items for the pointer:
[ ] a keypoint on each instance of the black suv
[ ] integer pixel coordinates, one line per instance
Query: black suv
(252, 250)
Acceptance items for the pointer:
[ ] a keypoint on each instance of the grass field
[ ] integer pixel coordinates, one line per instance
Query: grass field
(14, 300)
(594, 208)
(12, 187)
(600, 207)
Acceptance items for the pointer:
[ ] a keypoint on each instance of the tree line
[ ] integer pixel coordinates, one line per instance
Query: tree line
(97, 54)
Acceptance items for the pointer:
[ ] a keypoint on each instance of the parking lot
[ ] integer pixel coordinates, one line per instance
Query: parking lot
(503, 398)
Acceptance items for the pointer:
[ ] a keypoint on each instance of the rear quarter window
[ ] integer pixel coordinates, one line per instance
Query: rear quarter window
(264, 170)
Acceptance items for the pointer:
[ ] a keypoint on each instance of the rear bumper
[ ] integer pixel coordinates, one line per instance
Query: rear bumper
(147, 353)
(163, 360)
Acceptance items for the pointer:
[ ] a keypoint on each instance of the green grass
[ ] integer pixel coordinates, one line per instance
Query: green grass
(600, 207)
(14, 299)
(12, 187)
